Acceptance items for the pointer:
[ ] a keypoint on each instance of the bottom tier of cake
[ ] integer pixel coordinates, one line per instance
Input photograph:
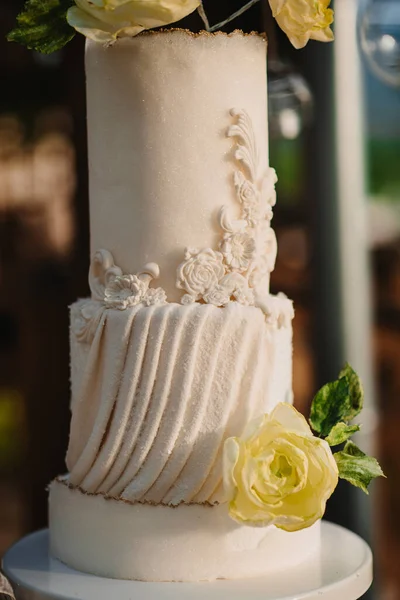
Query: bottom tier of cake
(191, 542)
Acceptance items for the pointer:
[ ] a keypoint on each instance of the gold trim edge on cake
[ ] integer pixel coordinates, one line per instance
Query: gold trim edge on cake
(202, 33)
(62, 480)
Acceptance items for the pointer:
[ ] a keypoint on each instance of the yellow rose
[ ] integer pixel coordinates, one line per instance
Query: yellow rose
(105, 20)
(303, 20)
(278, 473)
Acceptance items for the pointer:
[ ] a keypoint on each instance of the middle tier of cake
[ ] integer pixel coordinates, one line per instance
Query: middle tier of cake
(156, 390)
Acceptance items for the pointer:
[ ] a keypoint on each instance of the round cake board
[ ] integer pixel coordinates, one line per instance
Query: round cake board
(344, 570)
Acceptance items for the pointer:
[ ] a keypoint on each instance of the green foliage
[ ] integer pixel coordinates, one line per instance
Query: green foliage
(330, 406)
(333, 407)
(337, 402)
(356, 467)
(355, 389)
(42, 25)
(340, 433)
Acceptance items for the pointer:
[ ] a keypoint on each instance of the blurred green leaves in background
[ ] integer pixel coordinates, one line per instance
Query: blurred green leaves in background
(383, 167)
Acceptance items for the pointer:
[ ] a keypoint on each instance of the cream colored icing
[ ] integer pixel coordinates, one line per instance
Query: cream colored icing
(160, 162)
(162, 387)
(194, 542)
(178, 177)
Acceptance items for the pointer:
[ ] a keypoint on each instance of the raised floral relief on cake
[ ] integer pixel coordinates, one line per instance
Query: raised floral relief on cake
(200, 273)
(115, 289)
(240, 269)
(112, 289)
(203, 275)
(237, 271)
(130, 290)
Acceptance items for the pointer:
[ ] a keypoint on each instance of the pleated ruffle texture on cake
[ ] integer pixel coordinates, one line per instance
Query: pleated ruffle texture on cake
(158, 391)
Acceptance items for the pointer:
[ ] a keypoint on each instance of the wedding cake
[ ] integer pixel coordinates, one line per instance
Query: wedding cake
(186, 458)
(181, 344)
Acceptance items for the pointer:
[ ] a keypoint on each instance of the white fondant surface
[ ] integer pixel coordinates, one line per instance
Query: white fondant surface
(115, 539)
(160, 162)
(160, 388)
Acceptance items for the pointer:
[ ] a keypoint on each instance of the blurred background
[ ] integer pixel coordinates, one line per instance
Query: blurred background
(334, 112)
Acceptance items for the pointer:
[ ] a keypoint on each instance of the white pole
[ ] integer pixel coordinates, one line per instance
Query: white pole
(352, 207)
(352, 220)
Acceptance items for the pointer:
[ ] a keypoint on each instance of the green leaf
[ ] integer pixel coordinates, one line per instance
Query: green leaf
(330, 406)
(339, 401)
(356, 391)
(42, 25)
(356, 467)
(341, 433)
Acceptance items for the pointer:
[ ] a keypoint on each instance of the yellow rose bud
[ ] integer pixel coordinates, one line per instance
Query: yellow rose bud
(105, 20)
(303, 20)
(278, 473)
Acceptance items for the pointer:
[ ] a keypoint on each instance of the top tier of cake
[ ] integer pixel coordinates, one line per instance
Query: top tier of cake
(161, 163)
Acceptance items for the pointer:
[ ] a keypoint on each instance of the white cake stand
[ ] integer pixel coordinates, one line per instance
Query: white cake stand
(344, 571)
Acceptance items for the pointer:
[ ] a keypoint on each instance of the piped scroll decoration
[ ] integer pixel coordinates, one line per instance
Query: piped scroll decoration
(110, 286)
(102, 271)
(240, 269)
(112, 289)
(124, 291)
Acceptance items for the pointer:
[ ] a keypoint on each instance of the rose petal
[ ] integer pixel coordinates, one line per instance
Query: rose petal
(229, 460)
(89, 26)
(110, 4)
(253, 427)
(246, 484)
(156, 13)
(277, 6)
(120, 18)
(303, 20)
(292, 523)
(279, 473)
(290, 419)
(297, 41)
(258, 520)
(291, 448)
(104, 20)
(322, 35)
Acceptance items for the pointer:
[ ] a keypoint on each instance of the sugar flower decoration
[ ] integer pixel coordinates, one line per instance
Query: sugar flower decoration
(105, 20)
(278, 473)
(282, 471)
(304, 20)
(200, 271)
(125, 291)
(47, 25)
(238, 250)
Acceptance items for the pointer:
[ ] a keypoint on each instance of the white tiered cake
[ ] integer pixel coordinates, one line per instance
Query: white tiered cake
(162, 374)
